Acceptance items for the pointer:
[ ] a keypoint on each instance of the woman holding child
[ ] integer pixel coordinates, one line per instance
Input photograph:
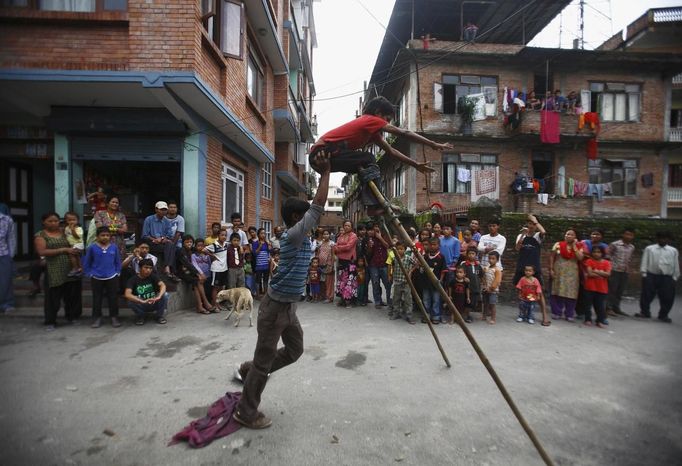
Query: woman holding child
(51, 243)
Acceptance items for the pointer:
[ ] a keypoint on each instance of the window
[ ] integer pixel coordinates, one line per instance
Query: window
(622, 174)
(457, 170)
(614, 101)
(675, 176)
(267, 225)
(254, 79)
(448, 94)
(79, 6)
(233, 191)
(267, 180)
(224, 22)
(399, 182)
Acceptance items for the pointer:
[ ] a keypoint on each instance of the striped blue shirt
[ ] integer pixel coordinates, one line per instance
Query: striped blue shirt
(288, 283)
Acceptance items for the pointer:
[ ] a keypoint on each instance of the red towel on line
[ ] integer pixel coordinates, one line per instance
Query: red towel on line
(592, 148)
(549, 127)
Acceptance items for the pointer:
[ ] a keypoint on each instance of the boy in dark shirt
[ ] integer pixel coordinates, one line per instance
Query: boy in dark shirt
(346, 146)
(146, 293)
(430, 295)
(474, 272)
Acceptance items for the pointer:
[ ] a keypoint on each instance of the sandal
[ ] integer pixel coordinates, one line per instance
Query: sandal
(546, 323)
(214, 310)
(492, 322)
(203, 311)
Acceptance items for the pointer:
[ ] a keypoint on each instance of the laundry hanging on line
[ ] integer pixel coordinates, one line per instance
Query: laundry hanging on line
(463, 175)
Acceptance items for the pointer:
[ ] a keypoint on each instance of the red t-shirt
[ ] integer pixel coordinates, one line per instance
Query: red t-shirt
(529, 290)
(357, 133)
(598, 284)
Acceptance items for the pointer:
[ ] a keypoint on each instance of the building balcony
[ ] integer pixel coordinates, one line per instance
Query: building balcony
(264, 22)
(675, 196)
(675, 135)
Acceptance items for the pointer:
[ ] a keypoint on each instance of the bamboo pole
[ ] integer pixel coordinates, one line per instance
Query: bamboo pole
(415, 295)
(460, 321)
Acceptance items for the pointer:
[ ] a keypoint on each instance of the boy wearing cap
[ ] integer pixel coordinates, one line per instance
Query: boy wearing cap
(157, 231)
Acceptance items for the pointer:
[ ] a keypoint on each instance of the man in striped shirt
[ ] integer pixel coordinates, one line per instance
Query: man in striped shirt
(277, 311)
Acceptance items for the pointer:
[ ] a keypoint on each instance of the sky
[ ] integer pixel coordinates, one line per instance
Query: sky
(348, 41)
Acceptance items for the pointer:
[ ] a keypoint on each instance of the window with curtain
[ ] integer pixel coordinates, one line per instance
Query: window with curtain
(622, 174)
(455, 87)
(452, 183)
(615, 101)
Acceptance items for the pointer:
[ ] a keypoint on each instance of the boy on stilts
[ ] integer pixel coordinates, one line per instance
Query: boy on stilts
(346, 144)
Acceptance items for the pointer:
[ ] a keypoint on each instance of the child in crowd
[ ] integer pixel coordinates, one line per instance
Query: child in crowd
(468, 242)
(146, 293)
(430, 295)
(139, 253)
(474, 272)
(261, 255)
(189, 274)
(235, 263)
(202, 262)
(274, 262)
(102, 263)
(346, 147)
(597, 273)
(529, 295)
(249, 280)
(402, 295)
(492, 277)
(314, 275)
(218, 253)
(215, 232)
(361, 274)
(460, 294)
(74, 235)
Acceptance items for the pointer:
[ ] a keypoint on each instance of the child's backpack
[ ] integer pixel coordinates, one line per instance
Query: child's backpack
(217, 423)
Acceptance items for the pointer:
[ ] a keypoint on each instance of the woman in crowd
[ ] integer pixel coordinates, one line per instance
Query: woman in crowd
(115, 220)
(325, 255)
(563, 269)
(51, 243)
(346, 287)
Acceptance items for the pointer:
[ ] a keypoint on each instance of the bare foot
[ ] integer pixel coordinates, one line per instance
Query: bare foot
(491, 322)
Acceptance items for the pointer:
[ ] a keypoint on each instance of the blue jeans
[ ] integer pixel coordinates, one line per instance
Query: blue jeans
(6, 285)
(431, 299)
(380, 274)
(159, 307)
(527, 309)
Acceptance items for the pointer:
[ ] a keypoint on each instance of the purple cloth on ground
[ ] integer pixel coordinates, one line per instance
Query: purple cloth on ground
(217, 423)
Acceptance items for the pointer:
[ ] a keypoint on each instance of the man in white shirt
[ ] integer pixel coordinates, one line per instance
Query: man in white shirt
(238, 227)
(660, 268)
(493, 241)
(274, 241)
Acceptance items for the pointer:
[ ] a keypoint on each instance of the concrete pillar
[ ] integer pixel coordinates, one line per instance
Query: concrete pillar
(193, 176)
(62, 174)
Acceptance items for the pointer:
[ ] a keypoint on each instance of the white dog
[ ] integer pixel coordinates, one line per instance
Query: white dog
(240, 300)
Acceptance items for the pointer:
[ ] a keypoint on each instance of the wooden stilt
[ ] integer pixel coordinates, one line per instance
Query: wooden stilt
(390, 216)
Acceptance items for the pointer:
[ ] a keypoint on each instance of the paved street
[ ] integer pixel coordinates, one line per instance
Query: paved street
(116, 396)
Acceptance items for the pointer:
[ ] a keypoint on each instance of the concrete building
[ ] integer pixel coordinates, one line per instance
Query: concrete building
(630, 91)
(333, 217)
(205, 102)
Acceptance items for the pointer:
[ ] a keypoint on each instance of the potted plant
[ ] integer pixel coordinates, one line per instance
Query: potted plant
(467, 107)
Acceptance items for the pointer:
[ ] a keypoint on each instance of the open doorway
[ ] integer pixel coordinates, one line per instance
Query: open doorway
(138, 185)
(543, 170)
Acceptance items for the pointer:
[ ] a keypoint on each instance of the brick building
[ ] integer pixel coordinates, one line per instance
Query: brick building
(630, 88)
(205, 102)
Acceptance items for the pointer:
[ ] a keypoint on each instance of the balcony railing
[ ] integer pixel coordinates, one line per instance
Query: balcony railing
(675, 195)
(667, 15)
(675, 135)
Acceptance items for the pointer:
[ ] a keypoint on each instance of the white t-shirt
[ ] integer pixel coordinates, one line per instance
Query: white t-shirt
(498, 242)
(177, 224)
(242, 235)
(220, 251)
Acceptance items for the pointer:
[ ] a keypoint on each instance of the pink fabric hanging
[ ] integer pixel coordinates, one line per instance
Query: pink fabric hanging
(549, 127)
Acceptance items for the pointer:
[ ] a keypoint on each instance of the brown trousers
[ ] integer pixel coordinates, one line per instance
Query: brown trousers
(275, 320)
